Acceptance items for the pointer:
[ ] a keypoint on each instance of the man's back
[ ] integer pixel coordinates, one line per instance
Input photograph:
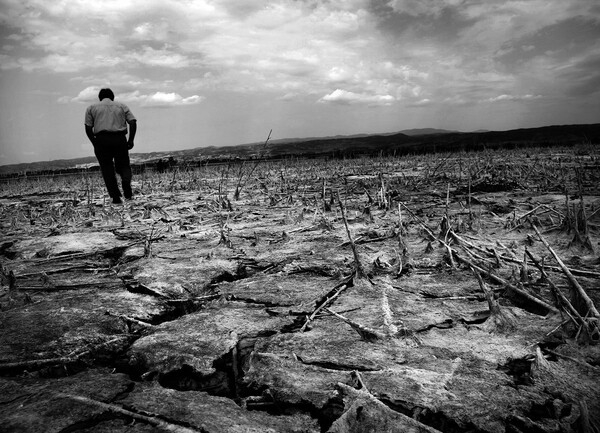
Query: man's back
(109, 116)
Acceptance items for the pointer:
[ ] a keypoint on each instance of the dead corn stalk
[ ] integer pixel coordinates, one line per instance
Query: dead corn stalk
(403, 257)
(337, 291)
(79, 356)
(500, 319)
(366, 333)
(382, 194)
(579, 223)
(153, 420)
(241, 182)
(358, 267)
(326, 206)
(522, 293)
(153, 236)
(515, 289)
(224, 232)
(590, 328)
(580, 298)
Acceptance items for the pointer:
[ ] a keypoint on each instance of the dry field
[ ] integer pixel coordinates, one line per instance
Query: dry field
(451, 292)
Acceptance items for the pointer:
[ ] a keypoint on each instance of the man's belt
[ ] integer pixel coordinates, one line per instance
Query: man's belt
(111, 132)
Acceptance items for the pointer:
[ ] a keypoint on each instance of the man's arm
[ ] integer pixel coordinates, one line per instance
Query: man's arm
(89, 131)
(132, 131)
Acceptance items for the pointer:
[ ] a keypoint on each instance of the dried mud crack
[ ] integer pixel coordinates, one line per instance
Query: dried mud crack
(418, 294)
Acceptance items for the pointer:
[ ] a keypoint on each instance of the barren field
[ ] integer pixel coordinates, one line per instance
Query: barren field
(451, 292)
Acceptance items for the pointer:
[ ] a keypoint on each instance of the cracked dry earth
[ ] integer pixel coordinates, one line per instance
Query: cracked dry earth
(168, 314)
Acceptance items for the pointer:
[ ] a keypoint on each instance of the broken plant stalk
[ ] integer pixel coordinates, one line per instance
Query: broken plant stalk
(241, 183)
(514, 259)
(151, 419)
(359, 270)
(421, 223)
(499, 319)
(496, 278)
(337, 292)
(577, 292)
(367, 334)
(130, 320)
(530, 298)
(36, 364)
(562, 302)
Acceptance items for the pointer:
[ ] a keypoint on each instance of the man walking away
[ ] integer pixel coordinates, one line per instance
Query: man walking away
(106, 127)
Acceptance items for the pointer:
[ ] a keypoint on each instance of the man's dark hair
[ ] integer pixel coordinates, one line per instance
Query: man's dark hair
(106, 93)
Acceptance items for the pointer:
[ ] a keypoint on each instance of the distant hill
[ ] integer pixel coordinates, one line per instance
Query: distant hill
(57, 164)
(443, 141)
(399, 143)
(425, 131)
(409, 132)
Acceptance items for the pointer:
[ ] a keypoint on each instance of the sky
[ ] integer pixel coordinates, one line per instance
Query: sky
(199, 73)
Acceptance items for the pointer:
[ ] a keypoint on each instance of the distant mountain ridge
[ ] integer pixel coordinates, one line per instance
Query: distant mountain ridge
(407, 141)
(409, 132)
(439, 141)
(425, 131)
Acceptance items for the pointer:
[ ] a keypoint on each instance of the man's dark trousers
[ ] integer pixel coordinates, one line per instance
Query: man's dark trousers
(112, 154)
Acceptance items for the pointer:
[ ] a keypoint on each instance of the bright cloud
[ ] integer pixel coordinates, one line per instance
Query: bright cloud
(344, 97)
(89, 94)
(158, 99)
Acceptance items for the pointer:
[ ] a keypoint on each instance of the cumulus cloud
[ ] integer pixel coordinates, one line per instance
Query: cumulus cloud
(160, 99)
(156, 99)
(345, 97)
(87, 95)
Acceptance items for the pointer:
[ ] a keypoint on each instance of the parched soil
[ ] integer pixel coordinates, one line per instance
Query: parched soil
(382, 295)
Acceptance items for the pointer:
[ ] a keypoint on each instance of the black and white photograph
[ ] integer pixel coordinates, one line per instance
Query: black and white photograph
(300, 216)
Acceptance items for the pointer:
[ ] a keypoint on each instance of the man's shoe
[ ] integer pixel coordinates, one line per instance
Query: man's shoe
(117, 200)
